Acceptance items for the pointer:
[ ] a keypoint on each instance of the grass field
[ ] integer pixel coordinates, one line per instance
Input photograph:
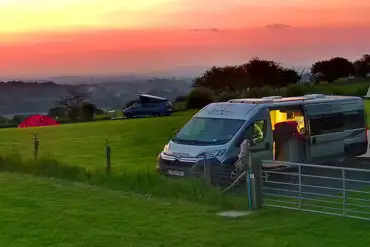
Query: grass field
(46, 212)
(135, 144)
(38, 211)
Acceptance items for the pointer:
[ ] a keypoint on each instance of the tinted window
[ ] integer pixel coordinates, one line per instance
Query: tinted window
(354, 119)
(337, 122)
(208, 131)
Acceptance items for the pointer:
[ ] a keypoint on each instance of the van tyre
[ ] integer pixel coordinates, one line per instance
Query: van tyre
(129, 115)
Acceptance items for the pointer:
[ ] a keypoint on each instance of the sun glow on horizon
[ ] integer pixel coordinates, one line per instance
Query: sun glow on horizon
(83, 36)
(19, 16)
(45, 15)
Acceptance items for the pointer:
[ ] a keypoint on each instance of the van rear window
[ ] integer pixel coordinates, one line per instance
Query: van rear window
(337, 122)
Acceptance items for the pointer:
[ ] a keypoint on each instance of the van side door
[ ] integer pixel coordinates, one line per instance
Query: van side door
(326, 135)
(262, 148)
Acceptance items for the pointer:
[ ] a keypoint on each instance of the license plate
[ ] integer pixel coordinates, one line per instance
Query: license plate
(175, 173)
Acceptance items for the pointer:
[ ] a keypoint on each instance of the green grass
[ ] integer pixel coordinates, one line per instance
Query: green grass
(144, 182)
(49, 212)
(135, 143)
(82, 206)
(347, 87)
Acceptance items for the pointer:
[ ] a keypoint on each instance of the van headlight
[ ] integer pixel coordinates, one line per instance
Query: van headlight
(165, 149)
(213, 153)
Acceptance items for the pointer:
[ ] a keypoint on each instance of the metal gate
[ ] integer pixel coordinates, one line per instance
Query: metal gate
(332, 190)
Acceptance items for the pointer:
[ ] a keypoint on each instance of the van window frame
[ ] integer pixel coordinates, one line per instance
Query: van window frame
(244, 132)
(340, 116)
(301, 108)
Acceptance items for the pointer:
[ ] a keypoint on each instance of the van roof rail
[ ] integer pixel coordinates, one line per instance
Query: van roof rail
(251, 101)
(314, 96)
(272, 97)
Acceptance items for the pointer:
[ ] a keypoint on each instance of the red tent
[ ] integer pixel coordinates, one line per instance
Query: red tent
(37, 120)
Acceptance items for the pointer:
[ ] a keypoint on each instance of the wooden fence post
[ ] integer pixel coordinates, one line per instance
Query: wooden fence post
(36, 145)
(207, 170)
(108, 156)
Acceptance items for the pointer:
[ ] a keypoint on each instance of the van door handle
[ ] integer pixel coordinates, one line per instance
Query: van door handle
(314, 140)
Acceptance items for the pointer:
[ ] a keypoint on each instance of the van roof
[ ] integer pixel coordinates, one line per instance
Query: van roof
(309, 98)
(148, 96)
(241, 108)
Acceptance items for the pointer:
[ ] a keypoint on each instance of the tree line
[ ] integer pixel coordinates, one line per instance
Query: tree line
(258, 78)
(259, 73)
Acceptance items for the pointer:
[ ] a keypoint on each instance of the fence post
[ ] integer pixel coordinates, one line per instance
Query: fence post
(36, 144)
(255, 180)
(300, 186)
(207, 170)
(344, 192)
(108, 156)
(247, 173)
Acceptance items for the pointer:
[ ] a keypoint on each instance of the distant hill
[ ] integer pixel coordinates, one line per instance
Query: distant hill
(19, 96)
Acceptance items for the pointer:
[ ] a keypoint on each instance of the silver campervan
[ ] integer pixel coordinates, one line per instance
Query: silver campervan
(330, 128)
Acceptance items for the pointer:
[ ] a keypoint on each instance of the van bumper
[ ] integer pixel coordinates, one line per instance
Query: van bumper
(221, 173)
(175, 167)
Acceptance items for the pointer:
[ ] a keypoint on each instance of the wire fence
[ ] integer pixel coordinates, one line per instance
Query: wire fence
(331, 189)
(92, 153)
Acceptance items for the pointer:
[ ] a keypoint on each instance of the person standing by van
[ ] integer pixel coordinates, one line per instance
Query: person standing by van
(257, 136)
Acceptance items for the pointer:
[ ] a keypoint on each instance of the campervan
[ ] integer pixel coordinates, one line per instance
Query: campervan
(149, 105)
(327, 128)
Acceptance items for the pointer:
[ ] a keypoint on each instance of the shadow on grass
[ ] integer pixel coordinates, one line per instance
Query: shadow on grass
(144, 182)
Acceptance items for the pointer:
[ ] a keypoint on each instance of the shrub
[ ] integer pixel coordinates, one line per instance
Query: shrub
(266, 91)
(180, 99)
(88, 111)
(294, 90)
(254, 93)
(361, 91)
(198, 98)
(226, 96)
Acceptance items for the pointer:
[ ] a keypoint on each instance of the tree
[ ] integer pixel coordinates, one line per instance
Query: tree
(74, 98)
(255, 73)
(58, 112)
(199, 97)
(362, 66)
(288, 76)
(230, 78)
(17, 119)
(332, 70)
(73, 103)
(263, 72)
(88, 111)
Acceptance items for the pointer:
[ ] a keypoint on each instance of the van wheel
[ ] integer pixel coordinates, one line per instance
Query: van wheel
(129, 115)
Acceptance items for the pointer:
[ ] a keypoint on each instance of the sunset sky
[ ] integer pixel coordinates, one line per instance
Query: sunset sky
(70, 37)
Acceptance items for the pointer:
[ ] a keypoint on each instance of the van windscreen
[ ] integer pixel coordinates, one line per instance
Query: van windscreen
(208, 131)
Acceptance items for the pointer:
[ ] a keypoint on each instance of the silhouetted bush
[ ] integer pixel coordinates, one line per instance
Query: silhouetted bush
(294, 90)
(267, 91)
(226, 96)
(254, 93)
(199, 97)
